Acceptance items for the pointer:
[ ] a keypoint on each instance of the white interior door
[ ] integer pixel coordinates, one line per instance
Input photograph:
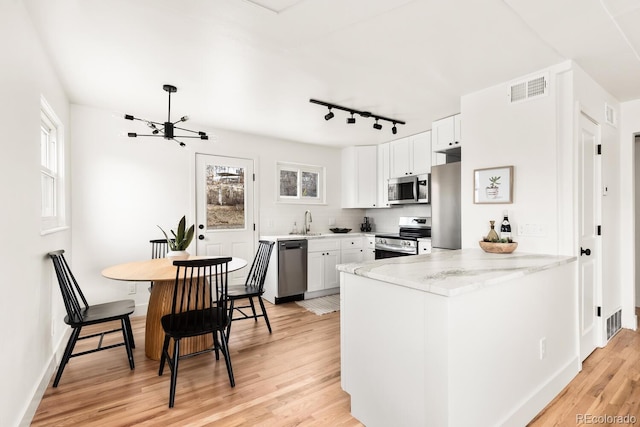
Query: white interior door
(589, 262)
(224, 208)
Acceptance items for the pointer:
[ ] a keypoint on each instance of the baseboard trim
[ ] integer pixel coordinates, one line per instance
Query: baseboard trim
(45, 378)
(543, 395)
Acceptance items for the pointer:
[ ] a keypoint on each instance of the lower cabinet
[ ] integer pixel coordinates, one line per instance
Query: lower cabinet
(352, 250)
(322, 257)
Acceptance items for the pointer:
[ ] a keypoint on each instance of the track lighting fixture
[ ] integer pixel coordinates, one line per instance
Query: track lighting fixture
(166, 129)
(352, 119)
(329, 115)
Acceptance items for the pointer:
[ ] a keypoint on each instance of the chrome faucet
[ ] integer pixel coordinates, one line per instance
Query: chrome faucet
(307, 222)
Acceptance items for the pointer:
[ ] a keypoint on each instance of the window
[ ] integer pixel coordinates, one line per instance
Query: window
(51, 169)
(300, 183)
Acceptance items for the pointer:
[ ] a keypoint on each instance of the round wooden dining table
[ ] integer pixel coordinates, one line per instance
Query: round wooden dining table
(162, 273)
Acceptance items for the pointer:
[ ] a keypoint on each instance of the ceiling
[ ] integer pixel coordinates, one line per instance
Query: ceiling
(253, 65)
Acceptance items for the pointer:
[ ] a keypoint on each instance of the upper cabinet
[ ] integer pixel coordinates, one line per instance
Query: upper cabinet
(446, 133)
(383, 175)
(359, 176)
(410, 155)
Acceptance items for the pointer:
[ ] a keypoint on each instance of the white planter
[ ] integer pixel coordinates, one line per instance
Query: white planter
(175, 255)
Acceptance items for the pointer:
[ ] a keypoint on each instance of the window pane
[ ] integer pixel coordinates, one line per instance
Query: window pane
(44, 146)
(48, 195)
(225, 197)
(309, 184)
(288, 183)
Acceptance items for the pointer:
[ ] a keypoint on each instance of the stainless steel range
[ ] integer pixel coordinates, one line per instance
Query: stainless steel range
(406, 241)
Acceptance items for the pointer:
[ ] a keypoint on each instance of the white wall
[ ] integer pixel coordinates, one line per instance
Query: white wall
(523, 135)
(629, 127)
(124, 187)
(30, 297)
(537, 138)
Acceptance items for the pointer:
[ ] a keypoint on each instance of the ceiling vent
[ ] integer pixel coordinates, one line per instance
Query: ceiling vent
(610, 115)
(528, 88)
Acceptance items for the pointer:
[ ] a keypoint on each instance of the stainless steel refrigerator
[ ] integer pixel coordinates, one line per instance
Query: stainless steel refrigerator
(446, 221)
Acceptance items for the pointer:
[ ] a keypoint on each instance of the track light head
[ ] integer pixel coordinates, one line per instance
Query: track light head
(351, 120)
(394, 129)
(329, 115)
(377, 125)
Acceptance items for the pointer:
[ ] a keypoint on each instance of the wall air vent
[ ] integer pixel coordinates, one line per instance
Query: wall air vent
(528, 88)
(610, 115)
(614, 324)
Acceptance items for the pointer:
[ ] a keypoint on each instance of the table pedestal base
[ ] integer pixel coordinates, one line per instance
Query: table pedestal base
(159, 305)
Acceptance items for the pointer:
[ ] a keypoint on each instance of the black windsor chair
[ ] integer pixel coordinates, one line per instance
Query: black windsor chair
(253, 287)
(199, 307)
(80, 314)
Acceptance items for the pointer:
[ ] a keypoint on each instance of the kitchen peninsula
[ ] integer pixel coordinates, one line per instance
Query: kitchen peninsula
(457, 338)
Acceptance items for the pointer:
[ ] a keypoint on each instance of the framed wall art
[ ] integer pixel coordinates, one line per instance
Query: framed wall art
(493, 185)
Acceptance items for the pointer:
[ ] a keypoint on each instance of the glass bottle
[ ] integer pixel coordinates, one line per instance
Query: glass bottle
(492, 236)
(295, 228)
(505, 227)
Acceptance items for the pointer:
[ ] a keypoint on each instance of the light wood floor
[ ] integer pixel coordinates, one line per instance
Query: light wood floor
(291, 377)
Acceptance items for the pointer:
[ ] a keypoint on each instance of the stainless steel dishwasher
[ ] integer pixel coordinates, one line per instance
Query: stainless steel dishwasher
(292, 270)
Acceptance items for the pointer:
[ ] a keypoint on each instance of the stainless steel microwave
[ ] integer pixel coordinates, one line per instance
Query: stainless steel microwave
(409, 189)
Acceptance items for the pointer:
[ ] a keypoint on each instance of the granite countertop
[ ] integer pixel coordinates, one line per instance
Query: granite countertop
(455, 272)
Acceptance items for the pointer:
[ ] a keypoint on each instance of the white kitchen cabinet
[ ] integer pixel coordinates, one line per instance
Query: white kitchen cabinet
(352, 250)
(359, 176)
(322, 257)
(424, 246)
(410, 155)
(446, 133)
(369, 248)
(383, 175)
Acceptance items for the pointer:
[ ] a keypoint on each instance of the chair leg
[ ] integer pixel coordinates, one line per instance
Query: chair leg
(174, 372)
(163, 357)
(231, 303)
(253, 309)
(75, 333)
(227, 357)
(264, 313)
(132, 341)
(127, 341)
(216, 345)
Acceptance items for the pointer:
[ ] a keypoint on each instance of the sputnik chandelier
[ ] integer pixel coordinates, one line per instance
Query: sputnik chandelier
(352, 119)
(168, 128)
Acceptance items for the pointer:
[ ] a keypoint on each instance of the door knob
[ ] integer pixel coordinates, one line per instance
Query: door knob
(200, 237)
(586, 252)
(201, 226)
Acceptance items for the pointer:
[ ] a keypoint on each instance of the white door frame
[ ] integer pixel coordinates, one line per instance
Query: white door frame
(596, 249)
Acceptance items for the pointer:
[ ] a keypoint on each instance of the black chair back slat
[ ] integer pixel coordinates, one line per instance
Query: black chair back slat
(257, 273)
(159, 248)
(71, 292)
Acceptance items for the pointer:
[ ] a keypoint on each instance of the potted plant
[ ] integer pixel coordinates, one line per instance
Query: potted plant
(493, 188)
(182, 238)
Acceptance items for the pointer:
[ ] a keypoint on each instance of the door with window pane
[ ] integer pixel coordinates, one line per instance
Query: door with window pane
(224, 204)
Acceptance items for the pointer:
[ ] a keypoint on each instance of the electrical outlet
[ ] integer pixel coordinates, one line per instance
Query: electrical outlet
(332, 222)
(543, 348)
(532, 230)
(132, 288)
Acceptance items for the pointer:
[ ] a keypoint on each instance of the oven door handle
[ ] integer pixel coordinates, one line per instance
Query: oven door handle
(407, 250)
